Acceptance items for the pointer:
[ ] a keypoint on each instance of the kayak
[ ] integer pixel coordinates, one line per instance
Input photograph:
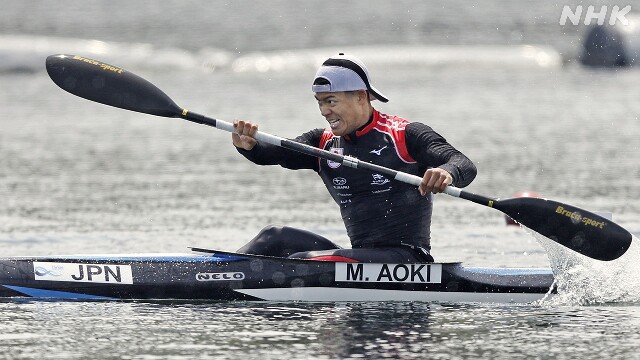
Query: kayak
(209, 275)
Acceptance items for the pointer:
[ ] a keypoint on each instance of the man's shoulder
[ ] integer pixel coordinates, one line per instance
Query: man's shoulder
(324, 136)
(312, 136)
(392, 122)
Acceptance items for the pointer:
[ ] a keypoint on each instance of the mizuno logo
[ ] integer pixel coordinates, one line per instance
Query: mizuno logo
(377, 152)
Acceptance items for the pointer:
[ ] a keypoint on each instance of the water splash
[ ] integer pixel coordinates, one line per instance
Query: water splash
(584, 281)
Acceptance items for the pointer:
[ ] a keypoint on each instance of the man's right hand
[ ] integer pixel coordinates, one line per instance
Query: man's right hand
(244, 135)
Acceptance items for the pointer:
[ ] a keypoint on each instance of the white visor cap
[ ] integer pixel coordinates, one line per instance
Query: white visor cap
(345, 73)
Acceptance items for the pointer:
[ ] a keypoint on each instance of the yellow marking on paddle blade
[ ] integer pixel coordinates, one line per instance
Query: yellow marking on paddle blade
(490, 203)
(184, 112)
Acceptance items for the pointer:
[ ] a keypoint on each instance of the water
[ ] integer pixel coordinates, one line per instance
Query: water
(322, 331)
(78, 177)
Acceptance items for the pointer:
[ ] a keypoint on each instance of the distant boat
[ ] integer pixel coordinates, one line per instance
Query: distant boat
(610, 46)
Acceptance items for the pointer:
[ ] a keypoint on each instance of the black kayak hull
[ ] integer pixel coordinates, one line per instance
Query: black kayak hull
(222, 276)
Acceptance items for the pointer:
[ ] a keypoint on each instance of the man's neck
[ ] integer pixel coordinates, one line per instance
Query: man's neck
(366, 124)
(353, 135)
(369, 119)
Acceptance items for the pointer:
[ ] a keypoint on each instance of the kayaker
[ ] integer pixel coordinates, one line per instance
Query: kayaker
(386, 220)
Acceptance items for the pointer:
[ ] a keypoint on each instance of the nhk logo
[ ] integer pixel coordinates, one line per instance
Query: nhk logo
(616, 14)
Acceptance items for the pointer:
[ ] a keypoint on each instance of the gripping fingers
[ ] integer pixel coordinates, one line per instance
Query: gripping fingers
(244, 135)
(434, 181)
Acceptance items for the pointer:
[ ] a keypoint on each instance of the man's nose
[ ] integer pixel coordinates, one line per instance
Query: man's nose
(325, 110)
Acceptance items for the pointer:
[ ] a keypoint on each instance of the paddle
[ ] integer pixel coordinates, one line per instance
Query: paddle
(577, 229)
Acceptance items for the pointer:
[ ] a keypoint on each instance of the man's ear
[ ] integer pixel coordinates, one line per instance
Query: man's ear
(363, 95)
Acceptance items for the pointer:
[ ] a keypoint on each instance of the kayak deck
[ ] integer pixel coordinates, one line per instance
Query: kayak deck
(222, 276)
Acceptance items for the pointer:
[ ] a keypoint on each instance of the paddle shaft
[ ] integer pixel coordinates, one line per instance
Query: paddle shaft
(327, 155)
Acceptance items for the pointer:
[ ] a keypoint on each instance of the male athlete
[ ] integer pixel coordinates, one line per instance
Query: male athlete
(386, 221)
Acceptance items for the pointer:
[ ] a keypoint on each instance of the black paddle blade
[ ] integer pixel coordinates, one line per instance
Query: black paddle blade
(578, 229)
(109, 85)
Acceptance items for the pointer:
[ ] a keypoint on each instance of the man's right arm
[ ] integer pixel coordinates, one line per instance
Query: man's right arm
(267, 154)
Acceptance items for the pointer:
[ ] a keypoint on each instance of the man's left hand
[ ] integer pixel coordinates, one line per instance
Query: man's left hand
(435, 180)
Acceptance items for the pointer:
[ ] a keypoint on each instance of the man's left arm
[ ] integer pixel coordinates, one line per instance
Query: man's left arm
(446, 165)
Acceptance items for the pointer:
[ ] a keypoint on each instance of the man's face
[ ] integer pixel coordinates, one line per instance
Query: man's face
(343, 111)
